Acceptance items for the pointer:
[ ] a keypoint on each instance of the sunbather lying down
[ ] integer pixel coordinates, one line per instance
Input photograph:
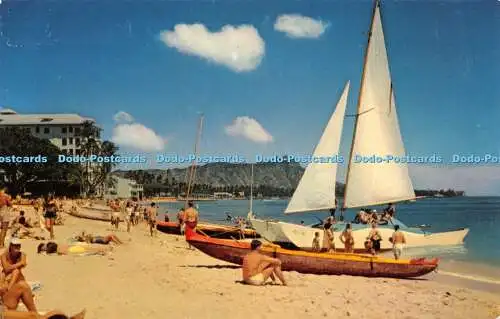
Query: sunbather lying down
(21, 232)
(103, 240)
(54, 248)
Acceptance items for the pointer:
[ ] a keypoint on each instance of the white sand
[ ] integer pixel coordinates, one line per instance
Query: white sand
(161, 278)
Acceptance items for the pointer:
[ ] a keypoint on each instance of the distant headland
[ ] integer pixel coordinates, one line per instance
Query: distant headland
(270, 180)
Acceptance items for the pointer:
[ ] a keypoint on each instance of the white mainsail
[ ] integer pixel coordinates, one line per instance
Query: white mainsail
(377, 134)
(316, 189)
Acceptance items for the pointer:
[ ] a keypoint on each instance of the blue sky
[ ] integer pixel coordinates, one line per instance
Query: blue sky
(98, 59)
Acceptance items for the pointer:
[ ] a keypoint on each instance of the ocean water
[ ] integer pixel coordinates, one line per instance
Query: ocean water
(480, 214)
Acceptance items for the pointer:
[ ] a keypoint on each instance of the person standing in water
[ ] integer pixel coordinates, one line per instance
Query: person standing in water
(398, 241)
(375, 238)
(328, 237)
(347, 239)
(5, 206)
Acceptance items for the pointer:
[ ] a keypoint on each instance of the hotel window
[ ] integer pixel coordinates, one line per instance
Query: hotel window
(64, 129)
(64, 142)
(46, 130)
(70, 151)
(37, 129)
(70, 129)
(77, 141)
(70, 140)
(77, 130)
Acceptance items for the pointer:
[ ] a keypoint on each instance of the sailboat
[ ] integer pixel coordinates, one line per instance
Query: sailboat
(376, 133)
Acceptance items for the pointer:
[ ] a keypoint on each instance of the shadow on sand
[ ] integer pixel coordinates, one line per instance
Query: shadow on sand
(213, 266)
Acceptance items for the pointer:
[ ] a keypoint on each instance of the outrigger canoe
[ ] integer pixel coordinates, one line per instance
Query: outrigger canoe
(212, 230)
(233, 251)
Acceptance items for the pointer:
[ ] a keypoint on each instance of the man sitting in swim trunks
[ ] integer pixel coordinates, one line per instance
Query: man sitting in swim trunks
(257, 267)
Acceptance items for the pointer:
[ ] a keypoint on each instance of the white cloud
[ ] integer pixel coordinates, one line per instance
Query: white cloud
(135, 135)
(239, 48)
(122, 116)
(249, 128)
(298, 26)
(475, 180)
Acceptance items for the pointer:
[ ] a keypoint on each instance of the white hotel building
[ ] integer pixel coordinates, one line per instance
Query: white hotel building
(63, 130)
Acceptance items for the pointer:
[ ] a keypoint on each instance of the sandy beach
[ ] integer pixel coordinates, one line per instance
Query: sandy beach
(160, 277)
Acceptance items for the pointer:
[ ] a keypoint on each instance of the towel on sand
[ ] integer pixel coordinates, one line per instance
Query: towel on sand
(35, 285)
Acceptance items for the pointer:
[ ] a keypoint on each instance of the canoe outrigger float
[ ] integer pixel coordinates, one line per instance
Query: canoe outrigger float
(213, 230)
(233, 251)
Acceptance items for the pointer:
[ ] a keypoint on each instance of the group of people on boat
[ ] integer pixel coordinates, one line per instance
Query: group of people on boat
(369, 216)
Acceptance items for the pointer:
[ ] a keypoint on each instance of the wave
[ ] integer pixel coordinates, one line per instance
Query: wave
(470, 277)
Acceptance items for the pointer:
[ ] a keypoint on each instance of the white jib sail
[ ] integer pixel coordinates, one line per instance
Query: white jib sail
(316, 189)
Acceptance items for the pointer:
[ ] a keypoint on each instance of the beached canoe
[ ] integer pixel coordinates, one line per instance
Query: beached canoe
(92, 214)
(213, 230)
(316, 263)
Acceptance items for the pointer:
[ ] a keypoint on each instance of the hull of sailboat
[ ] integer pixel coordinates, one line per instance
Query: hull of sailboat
(302, 237)
(315, 263)
(269, 230)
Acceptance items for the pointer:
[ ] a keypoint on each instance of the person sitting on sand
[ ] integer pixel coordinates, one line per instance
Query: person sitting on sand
(257, 267)
(347, 239)
(398, 241)
(21, 219)
(13, 261)
(315, 244)
(375, 238)
(103, 240)
(54, 248)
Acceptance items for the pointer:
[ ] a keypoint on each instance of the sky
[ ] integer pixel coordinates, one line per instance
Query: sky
(265, 74)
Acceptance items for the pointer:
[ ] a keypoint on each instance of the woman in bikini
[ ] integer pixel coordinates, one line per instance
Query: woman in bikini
(103, 240)
(50, 215)
(347, 239)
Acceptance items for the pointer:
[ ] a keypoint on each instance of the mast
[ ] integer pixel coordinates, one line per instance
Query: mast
(376, 3)
(193, 163)
(251, 192)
